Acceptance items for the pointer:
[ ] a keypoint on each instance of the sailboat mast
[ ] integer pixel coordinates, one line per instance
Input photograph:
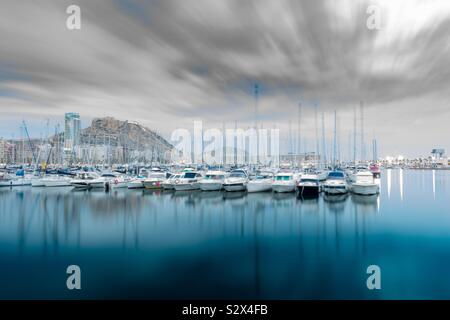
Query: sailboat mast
(290, 139)
(324, 144)
(299, 141)
(334, 140)
(362, 132)
(256, 105)
(354, 135)
(316, 129)
(256, 91)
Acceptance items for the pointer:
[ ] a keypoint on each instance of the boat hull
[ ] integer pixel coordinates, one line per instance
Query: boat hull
(365, 189)
(186, 186)
(135, 185)
(15, 183)
(280, 188)
(118, 184)
(210, 186)
(234, 187)
(335, 189)
(97, 185)
(55, 184)
(308, 190)
(167, 186)
(8, 183)
(37, 183)
(152, 185)
(80, 185)
(259, 187)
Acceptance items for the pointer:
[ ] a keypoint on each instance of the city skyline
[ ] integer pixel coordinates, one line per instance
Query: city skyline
(166, 64)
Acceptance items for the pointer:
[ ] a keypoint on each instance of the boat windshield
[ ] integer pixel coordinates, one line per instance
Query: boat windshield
(336, 175)
(283, 178)
(214, 177)
(190, 175)
(109, 175)
(237, 175)
(308, 180)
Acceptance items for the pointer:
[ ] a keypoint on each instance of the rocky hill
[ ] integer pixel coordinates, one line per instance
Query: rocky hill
(127, 134)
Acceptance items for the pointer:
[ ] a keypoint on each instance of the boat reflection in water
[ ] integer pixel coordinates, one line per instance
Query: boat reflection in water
(192, 244)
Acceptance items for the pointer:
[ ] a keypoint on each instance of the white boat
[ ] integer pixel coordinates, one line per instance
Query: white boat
(336, 183)
(56, 181)
(351, 174)
(284, 182)
(309, 185)
(113, 180)
(261, 183)
(119, 182)
(37, 182)
(155, 180)
(188, 181)
(365, 184)
(10, 180)
(213, 181)
(137, 183)
(169, 183)
(322, 175)
(83, 180)
(98, 183)
(6, 183)
(236, 181)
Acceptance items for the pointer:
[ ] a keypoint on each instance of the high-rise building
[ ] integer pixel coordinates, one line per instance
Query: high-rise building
(71, 134)
(6, 151)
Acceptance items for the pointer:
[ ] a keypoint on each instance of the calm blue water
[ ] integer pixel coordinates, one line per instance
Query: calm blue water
(142, 244)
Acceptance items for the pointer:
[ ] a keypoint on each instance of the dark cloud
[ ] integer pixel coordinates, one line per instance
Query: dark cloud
(168, 62)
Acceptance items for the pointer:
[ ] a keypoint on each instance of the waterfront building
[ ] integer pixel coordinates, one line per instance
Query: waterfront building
(6, 151)
(71, 134)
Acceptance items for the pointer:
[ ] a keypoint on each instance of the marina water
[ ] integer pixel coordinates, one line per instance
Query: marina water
(193, 244)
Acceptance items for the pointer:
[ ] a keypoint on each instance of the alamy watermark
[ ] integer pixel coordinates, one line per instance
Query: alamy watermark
(373, 21)
(228, 146)
(74, 279)
(374, 280)
(73, 21)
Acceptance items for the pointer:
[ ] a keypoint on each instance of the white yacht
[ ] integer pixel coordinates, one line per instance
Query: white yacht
(119, 182)
(37, 182)
(18, 182)
(261, 183)
(365, 184)
(212, 181)
(99, 183)
(136, 183)
(111, 180)
(236, 181)
(336, 183)
(56, 181)
(10, 180)
(352, 172)
(83, 179)
(188, 181)
(284, 182)
(322, 175)
(169, 183)
(155, 180)
(309, 185)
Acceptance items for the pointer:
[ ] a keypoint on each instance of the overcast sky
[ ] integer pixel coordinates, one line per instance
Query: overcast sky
(166, 63)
